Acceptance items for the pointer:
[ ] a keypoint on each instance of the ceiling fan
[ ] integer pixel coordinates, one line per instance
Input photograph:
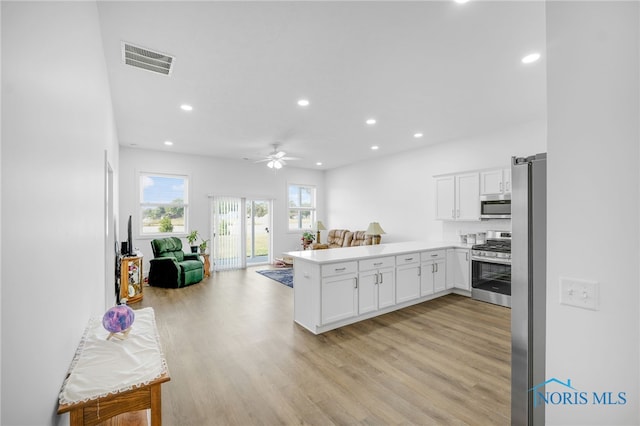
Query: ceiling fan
(276, 159)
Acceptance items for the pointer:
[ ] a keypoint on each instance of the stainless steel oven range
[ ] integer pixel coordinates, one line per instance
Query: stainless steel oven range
(491, 269)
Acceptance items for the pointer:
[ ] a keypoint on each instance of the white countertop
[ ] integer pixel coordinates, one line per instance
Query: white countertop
(363, 252)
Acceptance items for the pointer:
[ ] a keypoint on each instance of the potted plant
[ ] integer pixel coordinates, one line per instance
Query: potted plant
(203, 246)
(307, 239)
(192, 237)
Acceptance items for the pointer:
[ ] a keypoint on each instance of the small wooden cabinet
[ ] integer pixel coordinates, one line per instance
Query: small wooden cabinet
(131, 279)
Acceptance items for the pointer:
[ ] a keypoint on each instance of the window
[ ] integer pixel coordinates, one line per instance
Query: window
(302, 207)
(163, 204)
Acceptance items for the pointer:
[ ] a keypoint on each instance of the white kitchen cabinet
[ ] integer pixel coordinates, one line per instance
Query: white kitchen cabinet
(339, 292)
(458, 197)
(433, 272)
(496, 181)
(459, 269)
(333, 288)
(407, 278)
(376, 284)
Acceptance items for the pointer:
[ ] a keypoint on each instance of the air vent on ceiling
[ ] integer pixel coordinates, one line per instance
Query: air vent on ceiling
(149, 60)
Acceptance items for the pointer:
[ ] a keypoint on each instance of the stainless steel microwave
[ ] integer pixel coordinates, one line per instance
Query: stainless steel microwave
(497, 206)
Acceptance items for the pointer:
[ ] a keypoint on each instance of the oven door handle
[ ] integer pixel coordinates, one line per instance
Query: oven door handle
(491, 260)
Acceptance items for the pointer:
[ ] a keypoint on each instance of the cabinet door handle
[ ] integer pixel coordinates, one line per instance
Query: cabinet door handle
(433, 269)
(408, 259)
(419, 271)
(434, 255)
(355, 282)
(376, 279)
(378, 263)
(340, 269)
(436, 265)
(381, 279)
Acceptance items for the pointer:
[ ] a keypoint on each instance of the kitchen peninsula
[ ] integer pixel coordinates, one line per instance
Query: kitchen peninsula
(337, 287)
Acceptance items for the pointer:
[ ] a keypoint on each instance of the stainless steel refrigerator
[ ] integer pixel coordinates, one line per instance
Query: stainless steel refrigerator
(528, 285)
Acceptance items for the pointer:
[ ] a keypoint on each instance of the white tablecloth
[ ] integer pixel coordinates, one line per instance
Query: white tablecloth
(101, 367)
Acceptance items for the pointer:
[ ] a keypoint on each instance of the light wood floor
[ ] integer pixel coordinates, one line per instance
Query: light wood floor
(236, 358)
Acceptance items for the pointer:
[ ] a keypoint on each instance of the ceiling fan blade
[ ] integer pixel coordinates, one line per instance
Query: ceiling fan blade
(290, 158)
(263, 160)
(280, 154)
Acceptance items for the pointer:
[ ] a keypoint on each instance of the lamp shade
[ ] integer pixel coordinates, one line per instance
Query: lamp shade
(320, 226)
(374, 229)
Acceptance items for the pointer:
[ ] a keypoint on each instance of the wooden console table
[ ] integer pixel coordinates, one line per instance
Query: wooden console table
(111, 377)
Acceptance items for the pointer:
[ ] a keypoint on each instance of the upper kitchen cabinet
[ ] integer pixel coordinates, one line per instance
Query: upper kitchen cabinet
(496, 181)
(458, 197)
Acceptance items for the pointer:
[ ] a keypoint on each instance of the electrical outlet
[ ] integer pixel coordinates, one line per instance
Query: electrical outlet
(579, 293)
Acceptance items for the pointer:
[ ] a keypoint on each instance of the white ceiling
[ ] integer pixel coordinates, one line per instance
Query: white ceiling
(441, 68)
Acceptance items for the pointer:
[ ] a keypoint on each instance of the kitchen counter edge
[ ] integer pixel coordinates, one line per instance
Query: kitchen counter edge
(366, 252)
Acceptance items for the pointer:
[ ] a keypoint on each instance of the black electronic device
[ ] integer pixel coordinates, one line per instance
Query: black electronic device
(130, 251)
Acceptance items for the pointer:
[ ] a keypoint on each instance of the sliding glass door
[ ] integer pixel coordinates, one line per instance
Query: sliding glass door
(241, 232)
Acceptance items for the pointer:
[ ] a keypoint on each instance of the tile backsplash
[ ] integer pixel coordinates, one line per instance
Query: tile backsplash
(452, 230)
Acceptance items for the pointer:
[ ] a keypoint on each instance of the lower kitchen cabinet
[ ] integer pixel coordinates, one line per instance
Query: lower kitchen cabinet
(339, 292)
(339, 298)
(459, 269)
(433, 272)
(408, 281)
(376, 290)
(333, 288)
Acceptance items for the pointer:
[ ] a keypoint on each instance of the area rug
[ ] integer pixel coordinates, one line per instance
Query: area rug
(283, 275)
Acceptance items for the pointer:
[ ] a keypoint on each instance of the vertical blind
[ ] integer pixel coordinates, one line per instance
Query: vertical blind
(228, 222)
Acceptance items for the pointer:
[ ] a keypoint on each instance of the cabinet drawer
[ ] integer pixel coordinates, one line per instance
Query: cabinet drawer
(378, 262)
(406, 259)
(339, 269)
(434, 255)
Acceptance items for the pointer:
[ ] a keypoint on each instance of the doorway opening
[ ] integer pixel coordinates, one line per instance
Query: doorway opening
(241, 232)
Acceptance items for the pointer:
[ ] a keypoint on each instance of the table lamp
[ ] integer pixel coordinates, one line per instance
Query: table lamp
(319, 227)
(375, 230)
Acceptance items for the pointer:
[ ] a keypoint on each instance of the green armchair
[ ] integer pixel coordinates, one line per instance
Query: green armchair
(171, 267)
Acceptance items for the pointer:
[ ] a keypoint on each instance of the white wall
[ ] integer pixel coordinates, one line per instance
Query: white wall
(57, 124)
(399, 191)
(593, 209)
(207, 176)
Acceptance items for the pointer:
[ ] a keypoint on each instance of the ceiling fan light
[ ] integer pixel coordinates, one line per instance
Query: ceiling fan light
(277, 164)
(270, 164)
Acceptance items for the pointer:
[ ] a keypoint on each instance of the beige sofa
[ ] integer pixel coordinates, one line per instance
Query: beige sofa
(337, 238)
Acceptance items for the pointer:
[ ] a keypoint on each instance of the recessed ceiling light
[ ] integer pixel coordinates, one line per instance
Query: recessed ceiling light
(303, 102)
(461, 1)
(418, 135)
(318, 163)
(532, 57)
(186, 107)
(375, 147)
(168, 143)
(371, 121)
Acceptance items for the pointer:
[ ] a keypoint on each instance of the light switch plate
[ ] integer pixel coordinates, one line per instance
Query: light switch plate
(579, 293)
